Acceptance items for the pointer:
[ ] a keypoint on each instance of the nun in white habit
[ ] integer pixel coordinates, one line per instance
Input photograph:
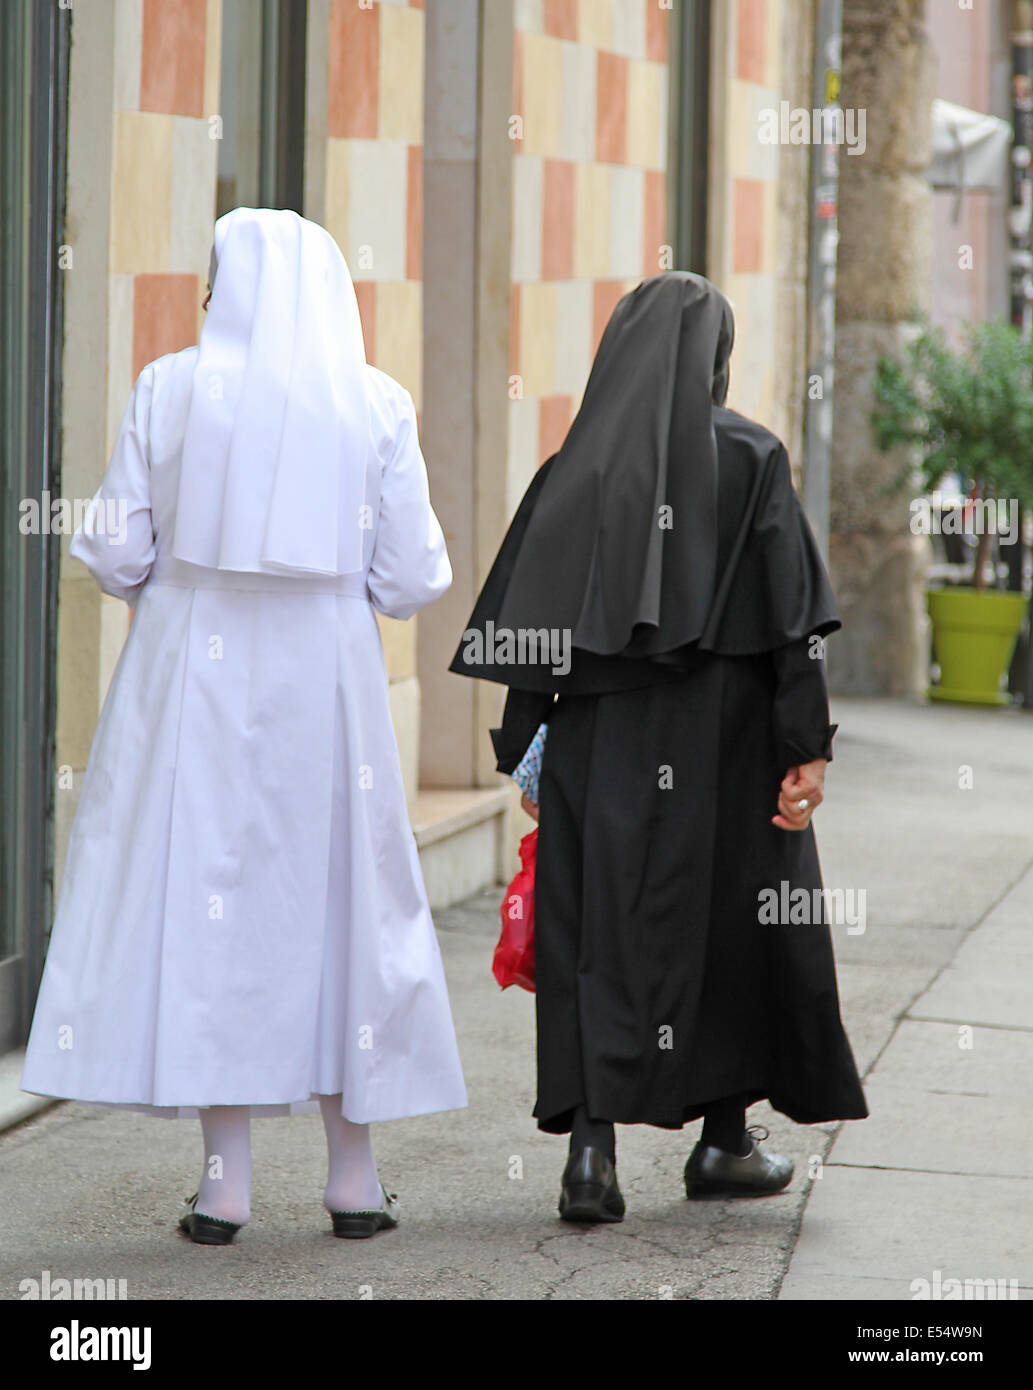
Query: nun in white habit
(243, 927)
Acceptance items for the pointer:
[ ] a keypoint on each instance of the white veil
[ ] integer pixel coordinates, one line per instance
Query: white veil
(278, 430)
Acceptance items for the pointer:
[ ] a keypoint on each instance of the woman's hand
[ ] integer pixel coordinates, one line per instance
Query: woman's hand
(529, 806)
(806, 784)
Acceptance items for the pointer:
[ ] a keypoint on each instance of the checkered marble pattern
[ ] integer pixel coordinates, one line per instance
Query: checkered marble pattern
(589, 197)
(166, 142)
(743, 262)
(164, 160)
(374, 172)
(374, 207)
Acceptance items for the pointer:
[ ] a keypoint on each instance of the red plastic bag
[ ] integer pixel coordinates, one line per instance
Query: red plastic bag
(514, 955)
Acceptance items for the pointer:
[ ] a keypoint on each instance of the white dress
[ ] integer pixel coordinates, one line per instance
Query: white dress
(242, 918)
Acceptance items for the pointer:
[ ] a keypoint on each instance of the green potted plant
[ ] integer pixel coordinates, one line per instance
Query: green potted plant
(967, 412)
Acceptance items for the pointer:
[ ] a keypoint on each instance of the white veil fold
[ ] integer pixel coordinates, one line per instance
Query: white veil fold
(278, 430)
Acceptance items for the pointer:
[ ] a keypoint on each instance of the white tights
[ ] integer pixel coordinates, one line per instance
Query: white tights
(225, 1189)
(352, 1183)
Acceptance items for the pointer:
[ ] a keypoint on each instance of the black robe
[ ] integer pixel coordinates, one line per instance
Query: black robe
(660, 989)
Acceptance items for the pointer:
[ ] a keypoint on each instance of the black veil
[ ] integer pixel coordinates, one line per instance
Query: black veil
(630, 539)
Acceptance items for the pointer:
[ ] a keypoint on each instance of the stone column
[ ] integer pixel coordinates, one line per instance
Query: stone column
(884, 283)
(82, 671)
(467, 183)
(796, 59)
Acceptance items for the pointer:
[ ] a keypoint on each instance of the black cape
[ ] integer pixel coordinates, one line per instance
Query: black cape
(664, 527)
(772, 590)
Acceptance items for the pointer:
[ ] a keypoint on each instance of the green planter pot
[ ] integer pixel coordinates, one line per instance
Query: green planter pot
(974, 636)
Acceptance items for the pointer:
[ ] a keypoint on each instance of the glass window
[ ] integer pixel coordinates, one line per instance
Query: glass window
(687, 180)
(33, 87)
(262, 104)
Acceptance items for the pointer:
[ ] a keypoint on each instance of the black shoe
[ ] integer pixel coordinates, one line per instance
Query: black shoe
(712, 1172)
(206, 1230)
(358, 1225)
(590, 1191)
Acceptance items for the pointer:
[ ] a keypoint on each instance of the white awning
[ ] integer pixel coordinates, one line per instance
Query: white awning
(971, 150)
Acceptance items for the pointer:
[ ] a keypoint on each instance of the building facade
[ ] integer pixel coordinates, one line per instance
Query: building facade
(497, 173)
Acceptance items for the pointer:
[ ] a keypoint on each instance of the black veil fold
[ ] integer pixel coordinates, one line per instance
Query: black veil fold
(665, 526)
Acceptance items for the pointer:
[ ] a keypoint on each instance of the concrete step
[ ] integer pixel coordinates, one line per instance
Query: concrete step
(465, 839)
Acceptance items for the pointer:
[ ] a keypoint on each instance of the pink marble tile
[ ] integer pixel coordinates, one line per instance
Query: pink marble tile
(354, 70)
(172, 57)
(751, 39)
(164, 315)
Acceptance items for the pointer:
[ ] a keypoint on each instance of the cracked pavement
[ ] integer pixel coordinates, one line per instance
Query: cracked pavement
(89, 1193)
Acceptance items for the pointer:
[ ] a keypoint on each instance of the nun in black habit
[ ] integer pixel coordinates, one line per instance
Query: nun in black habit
(687, 737)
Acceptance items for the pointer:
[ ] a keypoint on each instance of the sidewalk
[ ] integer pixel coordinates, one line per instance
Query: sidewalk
(938, 1184)
(939, 1177)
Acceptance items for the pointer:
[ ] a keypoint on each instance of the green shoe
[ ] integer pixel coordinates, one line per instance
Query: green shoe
(206, 1230)
(359, 1225)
